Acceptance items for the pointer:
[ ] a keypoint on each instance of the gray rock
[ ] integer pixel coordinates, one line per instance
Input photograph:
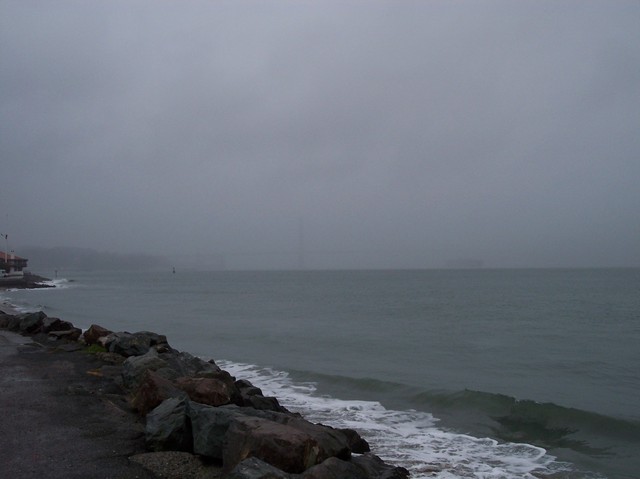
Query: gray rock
(356, 443)
(55, 324)
(334, 439)
(69, 334)
(209, 426)
(247, 389)
(128, 344)
(30, 323)
(13, 323)
(367, 466)
(251, 396)
(168, 373)
(134, 367)
(334, 468)
(263, 403)
(168, 427)
(188, 365)
(291, 449)
(376, 468)
(155, 339)
(254, 468)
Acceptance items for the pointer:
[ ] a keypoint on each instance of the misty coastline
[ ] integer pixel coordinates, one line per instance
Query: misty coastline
(196, 419)
(88, 259)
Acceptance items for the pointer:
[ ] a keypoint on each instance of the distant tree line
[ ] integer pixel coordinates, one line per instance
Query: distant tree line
(67, 258)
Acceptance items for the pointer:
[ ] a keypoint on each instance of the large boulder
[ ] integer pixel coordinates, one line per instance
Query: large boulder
(356, 443)
(206, 425)
(127, 344)
(30, 323)
(213, 392)
(152, 390)
(254, 468)
(72, 334)
(168, 427)
(94, 333)
(209, 426)
(13, 323)
(246, 388)
(367, 466)
(186, 364)
(376, 468)
(264, 403)
(334, 468)
(134, 367)
(56, 324)
(39, 322)
(292, 449)
(155, 339)
(136, 344)
(213, 435)
(251, 396)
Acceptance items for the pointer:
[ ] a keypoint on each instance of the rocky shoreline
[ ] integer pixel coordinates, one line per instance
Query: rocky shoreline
(195, 419)
(27, 281)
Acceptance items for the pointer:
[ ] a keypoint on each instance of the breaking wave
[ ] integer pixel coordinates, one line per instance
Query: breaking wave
(411, 438)
(547, 424)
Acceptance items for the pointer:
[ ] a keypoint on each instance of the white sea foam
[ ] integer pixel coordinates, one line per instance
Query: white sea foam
(60, 283)
(406, 438)
(25, 306)
(19, 306)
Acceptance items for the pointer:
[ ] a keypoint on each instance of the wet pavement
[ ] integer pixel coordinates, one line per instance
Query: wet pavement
(61, 418)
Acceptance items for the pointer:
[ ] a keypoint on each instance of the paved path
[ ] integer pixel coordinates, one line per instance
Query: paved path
(57, 420)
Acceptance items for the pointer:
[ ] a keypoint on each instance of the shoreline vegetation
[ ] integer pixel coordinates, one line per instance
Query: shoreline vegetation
(186, 417)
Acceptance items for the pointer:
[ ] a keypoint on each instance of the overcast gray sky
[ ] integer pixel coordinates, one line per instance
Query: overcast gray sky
(368, 134)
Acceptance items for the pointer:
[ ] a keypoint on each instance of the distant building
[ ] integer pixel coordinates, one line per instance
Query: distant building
(10, 263)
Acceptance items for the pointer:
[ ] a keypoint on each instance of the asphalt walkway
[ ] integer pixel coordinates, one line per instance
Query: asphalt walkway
(60, 418)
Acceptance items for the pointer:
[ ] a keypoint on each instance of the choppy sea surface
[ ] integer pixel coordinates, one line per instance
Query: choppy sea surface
(531, 373)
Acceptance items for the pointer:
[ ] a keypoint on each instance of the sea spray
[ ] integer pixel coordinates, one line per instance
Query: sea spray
(410, 438)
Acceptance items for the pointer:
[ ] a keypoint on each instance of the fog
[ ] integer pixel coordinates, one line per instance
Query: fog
(343, 134)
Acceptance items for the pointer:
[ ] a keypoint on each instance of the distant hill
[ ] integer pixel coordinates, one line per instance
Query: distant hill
(66, 258)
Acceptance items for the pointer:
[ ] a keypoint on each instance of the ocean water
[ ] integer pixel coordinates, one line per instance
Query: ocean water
(451, 373)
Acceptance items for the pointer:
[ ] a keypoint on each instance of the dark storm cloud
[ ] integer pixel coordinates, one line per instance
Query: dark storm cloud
(378, 134)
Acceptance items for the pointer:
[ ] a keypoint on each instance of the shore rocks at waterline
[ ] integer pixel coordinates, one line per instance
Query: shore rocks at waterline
(39, 323)
(191, 405)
